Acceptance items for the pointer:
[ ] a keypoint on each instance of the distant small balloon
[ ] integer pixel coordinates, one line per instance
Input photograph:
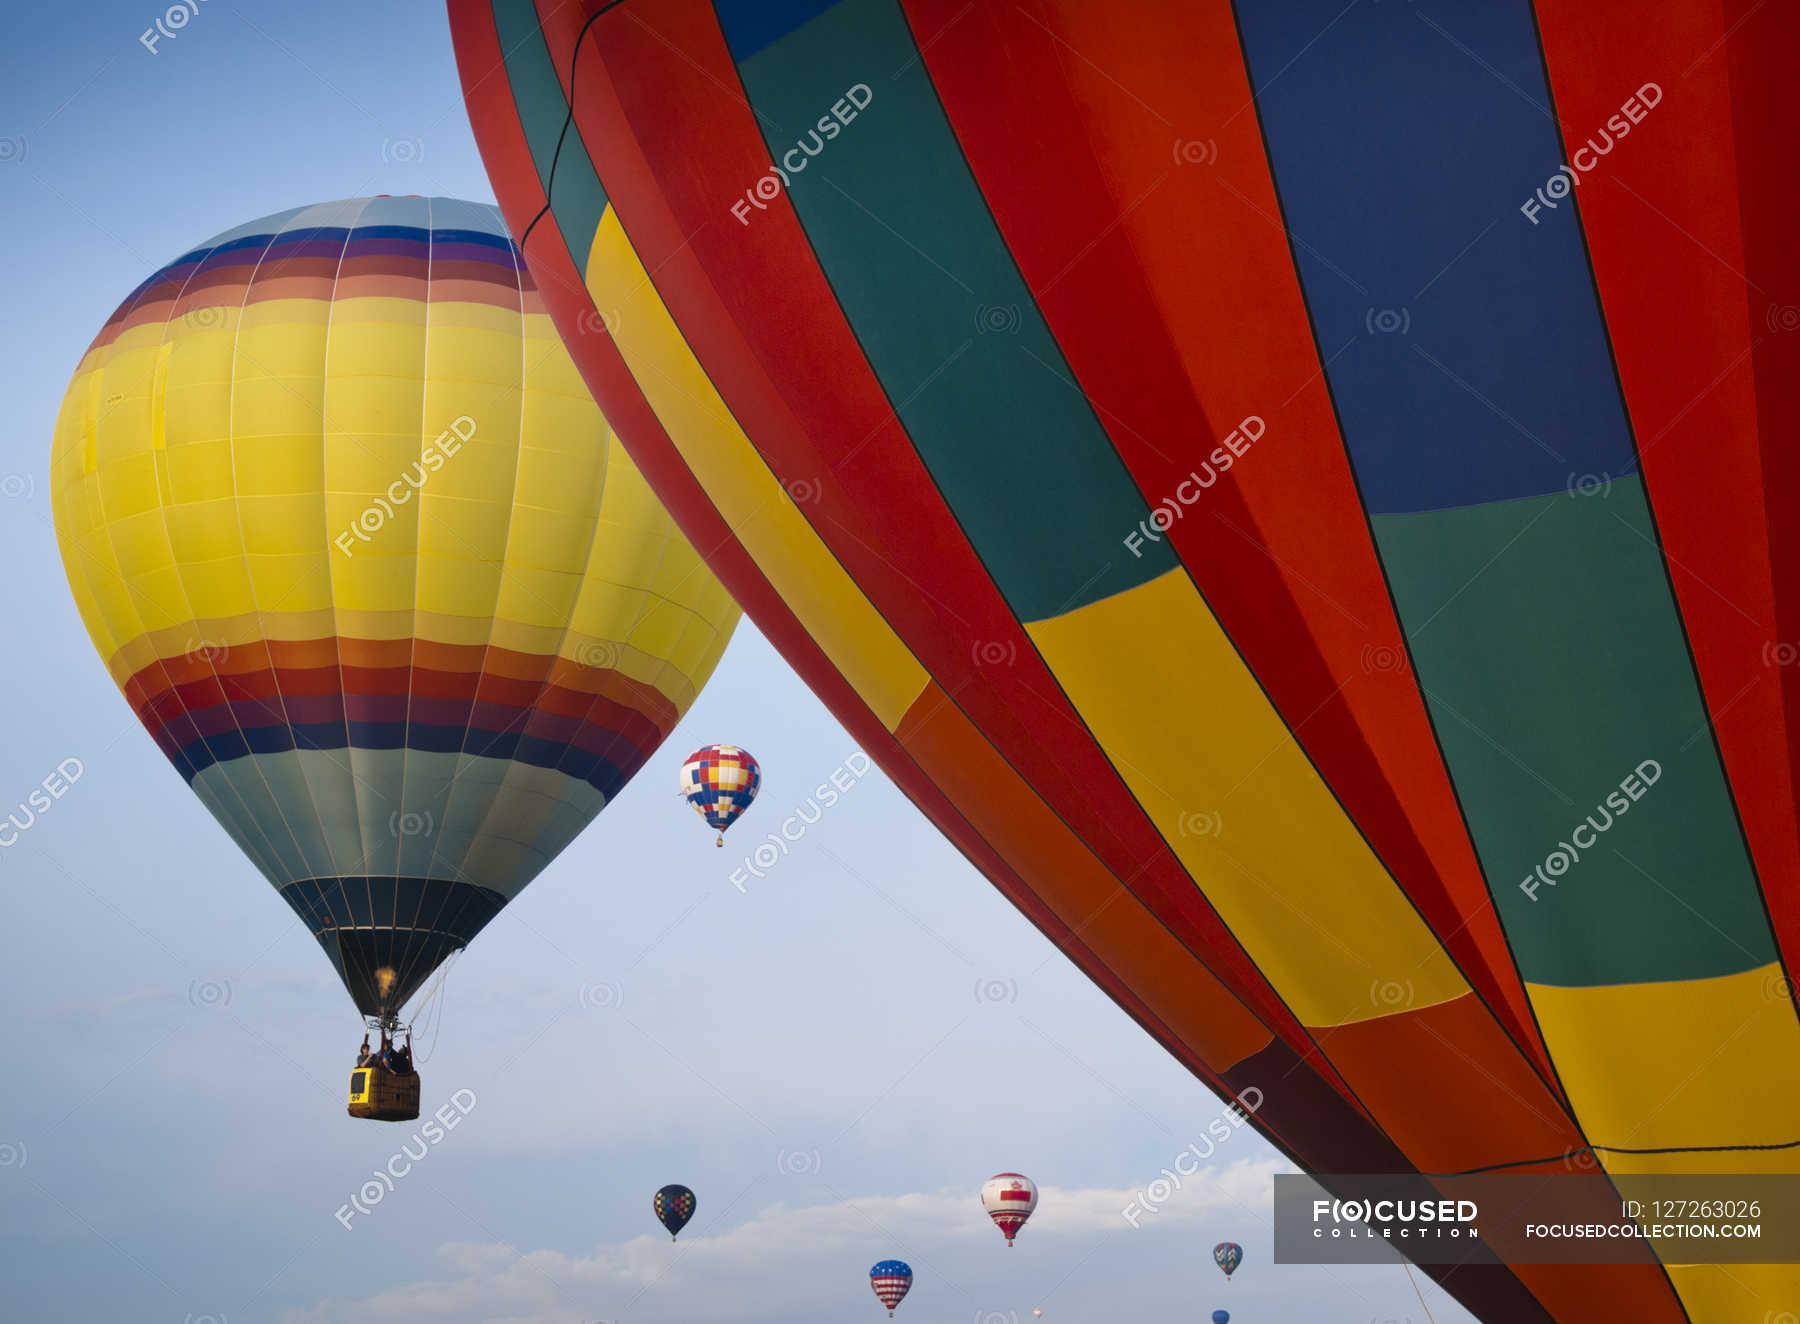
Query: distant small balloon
(1221, 1317)
(720, 781)
(1228, 1255)
(673, 1206)
(1009, 1199)
(892, 1280)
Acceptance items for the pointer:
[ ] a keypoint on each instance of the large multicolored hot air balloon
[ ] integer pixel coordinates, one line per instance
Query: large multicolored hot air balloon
(673, 1207)
(1009, 1198)
(720, 782)
(1228, 1255)
(350, 534)
(892, 1280)
(1301, 495)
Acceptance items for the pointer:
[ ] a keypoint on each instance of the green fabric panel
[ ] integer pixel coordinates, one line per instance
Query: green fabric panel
(577, 198)
(955, 337)
(240, 783)
(1551, 654)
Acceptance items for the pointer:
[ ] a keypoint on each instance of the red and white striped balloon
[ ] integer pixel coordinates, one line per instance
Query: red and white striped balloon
(1009, 1198)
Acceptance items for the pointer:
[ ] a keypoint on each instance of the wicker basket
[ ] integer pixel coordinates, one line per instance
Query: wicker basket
(384, 1096)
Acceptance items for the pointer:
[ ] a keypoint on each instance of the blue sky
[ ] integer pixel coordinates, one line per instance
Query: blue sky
(835, 1059)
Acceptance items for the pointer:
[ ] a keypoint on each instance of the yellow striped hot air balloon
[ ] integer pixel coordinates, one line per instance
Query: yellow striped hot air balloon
(356, 544)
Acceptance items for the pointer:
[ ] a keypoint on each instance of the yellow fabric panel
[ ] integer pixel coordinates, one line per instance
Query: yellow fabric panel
(204, 470)
(282, 339)
(541, 555)
(90, 420)
(74, 501)
(1681, 1064)
(100, 561)
(466, 510)
(1738, 1293)
(372, 437)
(619, 604)
(489, 356)
(159, 386)
(798, 565)
(200, 470)
(203, 531)
(544, 598)
(1286, 868)
(276, 394)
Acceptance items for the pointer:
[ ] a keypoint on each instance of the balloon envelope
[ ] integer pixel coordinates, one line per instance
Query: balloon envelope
(1228, 1255)
(720, 782)
(892, 1280)
(1241, 487)
(1009, 1198)
(673, 1207)
(1221, 1317)
(351, 536)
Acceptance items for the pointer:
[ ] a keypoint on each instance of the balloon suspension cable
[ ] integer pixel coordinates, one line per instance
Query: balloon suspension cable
(1416, 1291)
(431, 1007)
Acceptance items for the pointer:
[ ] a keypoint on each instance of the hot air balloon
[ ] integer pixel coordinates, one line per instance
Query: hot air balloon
(350, 535)
(1229, 466)
(673, 1206)
(892, 1280)
(720, 782)
(1221, 1317)
(1228, 1255)
(1009, 1199)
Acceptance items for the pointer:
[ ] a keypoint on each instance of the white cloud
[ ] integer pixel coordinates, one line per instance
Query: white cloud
(792, 1262)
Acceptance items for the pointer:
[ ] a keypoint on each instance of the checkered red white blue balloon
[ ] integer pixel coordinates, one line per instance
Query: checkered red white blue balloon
(720, 781)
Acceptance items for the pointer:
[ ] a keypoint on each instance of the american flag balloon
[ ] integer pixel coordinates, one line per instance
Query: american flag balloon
(720, 781)
(1009, 1199)
(891, 1279)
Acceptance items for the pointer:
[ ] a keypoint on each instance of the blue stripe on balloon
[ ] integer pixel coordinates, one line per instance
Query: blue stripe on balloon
(572, 761)
(1465, 344)
(751, 25)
